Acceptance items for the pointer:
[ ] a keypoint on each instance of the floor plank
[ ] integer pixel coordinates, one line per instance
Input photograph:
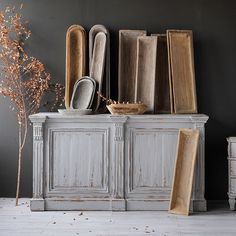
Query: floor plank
(20, 221)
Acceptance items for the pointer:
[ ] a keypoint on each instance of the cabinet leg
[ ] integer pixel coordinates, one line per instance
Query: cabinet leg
(232, 203)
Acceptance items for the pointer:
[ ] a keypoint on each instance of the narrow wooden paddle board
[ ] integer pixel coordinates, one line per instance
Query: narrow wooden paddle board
(184, 171)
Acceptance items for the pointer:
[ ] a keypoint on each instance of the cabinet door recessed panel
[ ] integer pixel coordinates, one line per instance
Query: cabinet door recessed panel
(150, 161)
(78, 161)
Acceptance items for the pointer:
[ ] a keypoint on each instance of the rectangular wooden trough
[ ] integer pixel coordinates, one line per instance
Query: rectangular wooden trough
(181, 71)
(163, 98)
(127, 63)
(184, 171)
(146, 71)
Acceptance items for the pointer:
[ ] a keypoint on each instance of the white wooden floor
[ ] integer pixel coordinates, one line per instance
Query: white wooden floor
(15, 221)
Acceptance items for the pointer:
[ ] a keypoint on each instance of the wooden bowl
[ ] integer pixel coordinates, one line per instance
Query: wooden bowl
(127, 109)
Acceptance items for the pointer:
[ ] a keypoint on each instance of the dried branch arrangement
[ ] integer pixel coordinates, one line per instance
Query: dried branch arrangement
(24, 79)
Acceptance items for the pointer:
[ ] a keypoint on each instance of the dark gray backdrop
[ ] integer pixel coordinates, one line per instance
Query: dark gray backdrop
(214, 25)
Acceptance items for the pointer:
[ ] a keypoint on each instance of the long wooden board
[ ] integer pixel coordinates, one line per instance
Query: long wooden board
(163, 99)
(184, 171)
(97, 65)
(92, 33)
(146, 71)
(75, 59)
(181, 71)
(127, 63)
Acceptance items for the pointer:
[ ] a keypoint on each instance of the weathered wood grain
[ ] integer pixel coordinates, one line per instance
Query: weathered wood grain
(163, 101)
(127, 64)
(91, 170)
(146, 71)
(75, 59)
(181, 71)
(97, 65)
(184, 171)
(92, 34)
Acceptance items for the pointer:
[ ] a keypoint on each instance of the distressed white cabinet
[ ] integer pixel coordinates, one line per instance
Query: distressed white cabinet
(232, 171)
(105, 162)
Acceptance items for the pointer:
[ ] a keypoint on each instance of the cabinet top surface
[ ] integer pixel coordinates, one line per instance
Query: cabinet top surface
(231, 139)
(43, 116)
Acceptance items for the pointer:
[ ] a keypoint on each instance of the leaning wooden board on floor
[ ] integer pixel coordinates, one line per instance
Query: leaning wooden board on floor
(184, 171)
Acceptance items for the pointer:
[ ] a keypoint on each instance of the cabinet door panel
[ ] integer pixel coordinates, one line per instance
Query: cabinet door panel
(78, 161)
(151, 157)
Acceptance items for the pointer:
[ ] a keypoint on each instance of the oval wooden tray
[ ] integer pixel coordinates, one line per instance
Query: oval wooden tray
(97, 65)
(75, 59)
(83, 93)
(127, 109)
(106, 77)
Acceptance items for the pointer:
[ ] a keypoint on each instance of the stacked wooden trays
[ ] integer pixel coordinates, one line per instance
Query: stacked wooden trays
(158, 70)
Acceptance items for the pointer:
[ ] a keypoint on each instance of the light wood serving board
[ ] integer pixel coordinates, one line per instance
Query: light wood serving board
(75, 59)
(146, 71)
(97, 65)
(163, 101)
(181, 71)
(184, 171)
(127, 63)
(92, 34)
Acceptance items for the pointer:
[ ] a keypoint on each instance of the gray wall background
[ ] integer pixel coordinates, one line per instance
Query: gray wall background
(213, 24)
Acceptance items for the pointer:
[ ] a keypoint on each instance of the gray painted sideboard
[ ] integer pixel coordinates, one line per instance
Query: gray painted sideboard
(106, 162)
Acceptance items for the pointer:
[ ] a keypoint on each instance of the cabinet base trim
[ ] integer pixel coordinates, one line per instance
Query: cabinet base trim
(58, 204)
(37, 204)
(161, 205)
(79, 205)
